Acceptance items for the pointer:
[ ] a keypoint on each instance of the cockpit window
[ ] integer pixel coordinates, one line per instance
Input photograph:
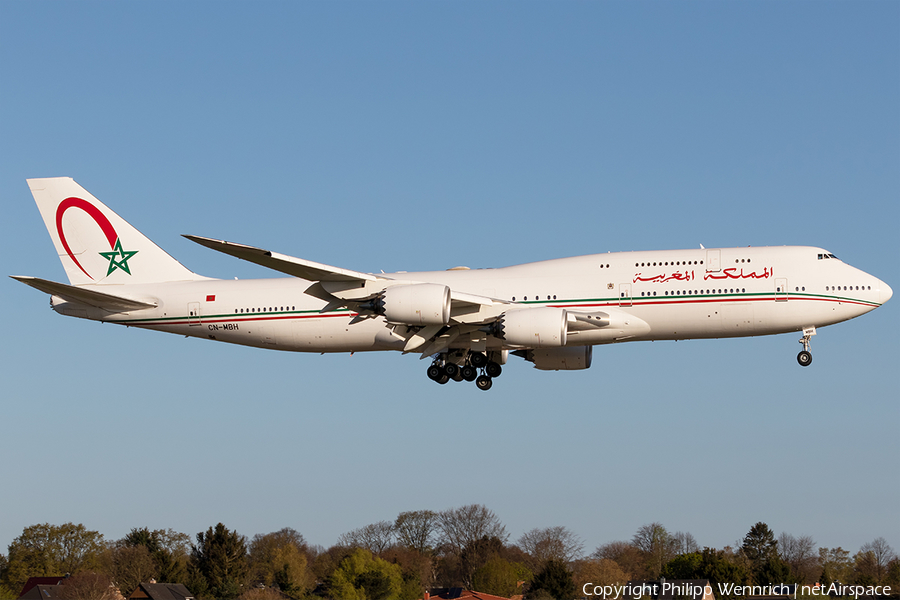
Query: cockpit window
(821, 256)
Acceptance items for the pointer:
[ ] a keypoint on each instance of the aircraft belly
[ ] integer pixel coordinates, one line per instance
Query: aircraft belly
(338, 334)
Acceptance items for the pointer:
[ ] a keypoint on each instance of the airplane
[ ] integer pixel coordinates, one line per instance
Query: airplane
(550, 313)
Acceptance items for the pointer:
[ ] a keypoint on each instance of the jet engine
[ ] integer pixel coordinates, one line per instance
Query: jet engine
(570, 358)
(532, 327)
(414, 304)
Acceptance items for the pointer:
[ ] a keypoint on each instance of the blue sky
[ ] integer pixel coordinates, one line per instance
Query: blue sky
(414, 136)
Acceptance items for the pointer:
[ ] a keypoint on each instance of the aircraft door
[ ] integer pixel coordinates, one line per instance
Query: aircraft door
(624, 294)
(781, 294)
(193, 313)
(713, 261)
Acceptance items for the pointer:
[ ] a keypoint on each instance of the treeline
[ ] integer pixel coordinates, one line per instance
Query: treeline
(461, 547)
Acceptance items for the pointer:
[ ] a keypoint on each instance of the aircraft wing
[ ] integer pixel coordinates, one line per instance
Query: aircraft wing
(298, 267)
(72, 293)
(352, 286)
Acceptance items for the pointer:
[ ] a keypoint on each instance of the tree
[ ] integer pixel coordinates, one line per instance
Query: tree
(262, 593)
(683, 543)
(720, 566)
(416, 529)
(416, 568)
(872, 560)
(600, 572)
(130, 565)
(836, 565)
(759, 544)
(893, 574)
(49, 550)
(657, 546)
(466, 524)
(363, 576)
(761, 549)
(168, 548)
(800, 555)
(476, 554)
(684, 566)
(555, 579)
(551, 542)
(500, 577)
(624, 554)
(88, 586)
(220, 556)
(774, 570)
(279, 559)
(375, 538)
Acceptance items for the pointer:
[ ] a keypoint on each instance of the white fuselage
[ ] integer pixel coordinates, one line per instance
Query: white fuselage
(671, 294)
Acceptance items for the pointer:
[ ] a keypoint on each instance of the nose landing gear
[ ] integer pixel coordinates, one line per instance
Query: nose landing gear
(805, 356)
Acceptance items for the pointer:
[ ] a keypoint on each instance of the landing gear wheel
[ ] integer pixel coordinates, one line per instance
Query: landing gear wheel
(484, 382)
(469, 373)
(443, 379)
(434, 372)
(451, 370)
(493, 369)
(804, 358)
(458, 376)
(477, 359)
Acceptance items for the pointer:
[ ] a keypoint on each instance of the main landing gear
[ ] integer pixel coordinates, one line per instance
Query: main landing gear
(444, 368)
(805, 356)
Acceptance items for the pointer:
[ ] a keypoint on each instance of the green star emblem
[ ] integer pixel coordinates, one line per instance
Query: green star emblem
(123, 256)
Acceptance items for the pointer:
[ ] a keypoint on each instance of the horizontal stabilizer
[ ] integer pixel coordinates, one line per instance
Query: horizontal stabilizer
(304, 269)
(71, 293)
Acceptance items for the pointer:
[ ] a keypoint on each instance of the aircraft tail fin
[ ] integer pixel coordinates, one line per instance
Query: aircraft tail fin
(97, 246)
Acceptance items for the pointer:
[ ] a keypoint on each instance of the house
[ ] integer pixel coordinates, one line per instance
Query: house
(42, 587)
(161, 591)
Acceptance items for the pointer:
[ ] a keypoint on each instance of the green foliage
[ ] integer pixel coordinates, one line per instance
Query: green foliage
(221, 558)
(168, 548)
(893, 574)
(554, 580)
(417, 569)
(476, 553)
(657, 546)
(142, 537)
(761, 549)
(684, 566)
(196, 582)
(759, 544)
(500, 577)
(836, 565)
(279, 559)
(363, 576)
(128, 566)
(773, 571)
(720, 567)
(48, 550)
(602, 571)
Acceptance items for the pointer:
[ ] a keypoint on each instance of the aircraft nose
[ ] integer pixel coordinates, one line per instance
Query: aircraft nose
(884, 292)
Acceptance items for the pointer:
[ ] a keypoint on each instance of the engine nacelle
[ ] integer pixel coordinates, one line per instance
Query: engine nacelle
(416, 304)
(543, 327)
(570, 358)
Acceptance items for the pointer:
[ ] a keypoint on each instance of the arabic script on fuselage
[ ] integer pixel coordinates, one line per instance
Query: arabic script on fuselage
(729, 273)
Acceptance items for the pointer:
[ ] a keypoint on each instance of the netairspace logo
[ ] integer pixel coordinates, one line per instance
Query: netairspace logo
(698, 592)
